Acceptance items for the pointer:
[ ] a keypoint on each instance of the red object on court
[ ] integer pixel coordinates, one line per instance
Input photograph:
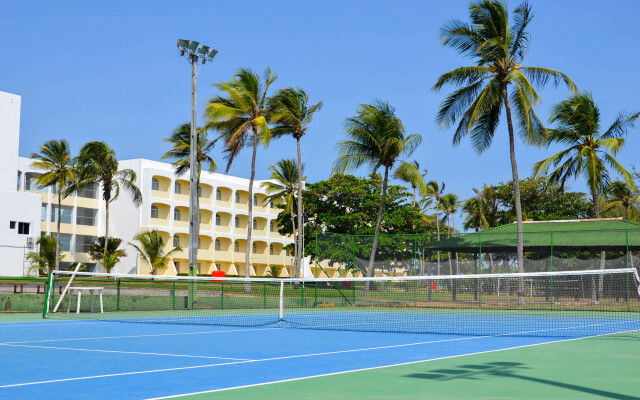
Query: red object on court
(219, 274)
(433, 286)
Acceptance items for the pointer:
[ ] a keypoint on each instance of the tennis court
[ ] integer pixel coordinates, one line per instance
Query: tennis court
(355, 342)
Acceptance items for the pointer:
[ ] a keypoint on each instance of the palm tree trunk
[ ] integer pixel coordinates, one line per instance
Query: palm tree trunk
(374, 247)
(516, 195)
(603, 255)
(58, 227)
(300, 245)
(247, 267)
(295, 233)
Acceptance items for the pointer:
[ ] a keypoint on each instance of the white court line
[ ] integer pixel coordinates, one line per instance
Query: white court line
(296, 356)
(138, 336)
(49, 323)
(122, 352)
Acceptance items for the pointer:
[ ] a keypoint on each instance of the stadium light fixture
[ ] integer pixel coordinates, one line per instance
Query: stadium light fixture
(194, 52)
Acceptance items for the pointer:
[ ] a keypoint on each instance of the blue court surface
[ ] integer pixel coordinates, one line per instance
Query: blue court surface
(118, 360)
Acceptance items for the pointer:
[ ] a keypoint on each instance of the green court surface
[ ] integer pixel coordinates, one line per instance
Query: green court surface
(591, 368)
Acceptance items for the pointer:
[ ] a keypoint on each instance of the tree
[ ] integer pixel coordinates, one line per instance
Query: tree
(476, 218)
(109, 255)
(619, 194)
(45, 258)
(55, 159)
(97, 164)
(284, 185)
(151, 247)
(376, 138)
(499, 50)
(180, 151)
(241, 119)
(589, 151)
(449, 204)
(411, 174)
(291, 113)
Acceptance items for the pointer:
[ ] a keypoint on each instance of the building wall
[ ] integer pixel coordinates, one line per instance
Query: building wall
(10, 138)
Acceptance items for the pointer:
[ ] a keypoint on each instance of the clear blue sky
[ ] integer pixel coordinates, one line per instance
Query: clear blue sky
(110, 71)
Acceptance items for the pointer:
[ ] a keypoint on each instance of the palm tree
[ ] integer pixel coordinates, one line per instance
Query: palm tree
(97, 164)
(499, 51)
(241, 119)
(411, 174)
(433, 195)
(376, 138)
(55, 159)
(109, 257)
(284, 185)
(449, 204)
(589, 153)
(180, 151)
(589, 150)
(619, 194)
(151, 247)
(291, 113)
(475, 214)
(45, 258)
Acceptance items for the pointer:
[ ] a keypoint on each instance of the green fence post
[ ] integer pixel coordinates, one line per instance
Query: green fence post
(264, 295)
(173, 294)
(302, 294)
(479, 263)
(551, 278)
(316, 294)
(118, 295)
(316, 271)
(628, 263)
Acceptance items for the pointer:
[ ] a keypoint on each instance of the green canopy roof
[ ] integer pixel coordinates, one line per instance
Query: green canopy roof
(588, 235)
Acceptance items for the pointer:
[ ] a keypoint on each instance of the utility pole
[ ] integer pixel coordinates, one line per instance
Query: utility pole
(194, 52)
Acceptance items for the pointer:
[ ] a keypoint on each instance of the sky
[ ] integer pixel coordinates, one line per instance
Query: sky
(110, 70)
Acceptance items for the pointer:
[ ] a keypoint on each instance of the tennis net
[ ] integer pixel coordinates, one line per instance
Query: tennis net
(571, 304)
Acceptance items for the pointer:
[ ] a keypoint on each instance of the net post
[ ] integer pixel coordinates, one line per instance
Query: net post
(47, 297)
(281, 300)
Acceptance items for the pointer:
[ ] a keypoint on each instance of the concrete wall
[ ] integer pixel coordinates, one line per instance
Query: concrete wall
(17, 207)
(10, 138)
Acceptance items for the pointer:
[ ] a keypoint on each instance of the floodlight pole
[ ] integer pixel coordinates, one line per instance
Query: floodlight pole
(194, 214)
(195, 52)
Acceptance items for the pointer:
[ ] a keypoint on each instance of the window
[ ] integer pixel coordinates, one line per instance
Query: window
(236, 247)
(217, 245)
(255, 201)
(19, 176)
(31, 184)
(218, 194)
(273, 226)
(23, 228)
(177, 265)
(218, 222)
(255, 248)
(65, 214)
(177, 188)
(176, 214)
(237, 221)
(176, 241)
(271, 249)
(255, 224)
(86, 216)
(89, 191)
(43, 212)
(155, 185)
(83, 243)
(12, 224)
(237, 197)
(154, 212)
(199, 243)
(199, 191)
(65, 242)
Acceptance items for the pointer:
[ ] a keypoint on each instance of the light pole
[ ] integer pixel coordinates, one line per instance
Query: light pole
(194, 52)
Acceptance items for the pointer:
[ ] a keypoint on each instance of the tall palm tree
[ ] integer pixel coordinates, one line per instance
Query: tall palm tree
(284, 185)
(97, 164)
(499, 50)
(476, 218)
(376, 138)
(291, 113)
(151, 247)
(449, 204)
(433, 195)
(589, 150)
(45, 258)
(241, 118)
(619, 194)
(55, 159)
(180, 153)
(410, 173)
